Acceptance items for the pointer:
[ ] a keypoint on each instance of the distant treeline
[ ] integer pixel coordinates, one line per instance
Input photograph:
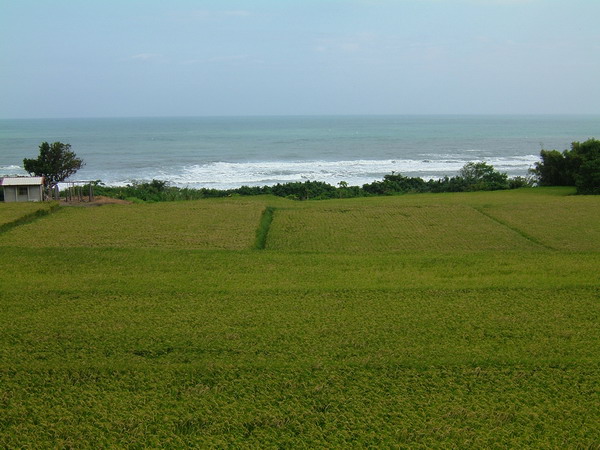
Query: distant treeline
(474, 176)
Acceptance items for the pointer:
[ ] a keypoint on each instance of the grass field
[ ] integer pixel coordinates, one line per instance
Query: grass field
(518, 220)
(13, 214)
(363, 322)
(220, 224)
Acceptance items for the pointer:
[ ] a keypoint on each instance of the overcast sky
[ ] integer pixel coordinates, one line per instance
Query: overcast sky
(66, 58)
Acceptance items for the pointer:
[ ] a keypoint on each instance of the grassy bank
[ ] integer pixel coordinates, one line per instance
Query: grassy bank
(427, 320)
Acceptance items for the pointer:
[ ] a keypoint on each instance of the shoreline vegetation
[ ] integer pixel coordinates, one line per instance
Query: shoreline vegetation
(579, 167)
(474, 176)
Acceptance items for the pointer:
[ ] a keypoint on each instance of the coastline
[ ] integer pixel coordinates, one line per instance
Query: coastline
(229, 152)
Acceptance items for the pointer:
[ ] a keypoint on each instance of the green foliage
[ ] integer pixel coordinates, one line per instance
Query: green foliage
(56, 162)
(394, 184)
(160, 191)
(479, 176)
(555, 169)
(578, 167)
(587, 177)
(473, 177)
(316, 190)
(520, 182)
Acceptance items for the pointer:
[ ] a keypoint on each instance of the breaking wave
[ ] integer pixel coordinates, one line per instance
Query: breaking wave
(224, 175)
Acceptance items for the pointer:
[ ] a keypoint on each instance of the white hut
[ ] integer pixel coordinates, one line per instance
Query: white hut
(23, 189)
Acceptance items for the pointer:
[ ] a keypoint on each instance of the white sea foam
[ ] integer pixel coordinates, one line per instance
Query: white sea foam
(224, 175)
(11, 170)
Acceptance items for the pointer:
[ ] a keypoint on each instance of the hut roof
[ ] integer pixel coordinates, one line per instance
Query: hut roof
(21, 181)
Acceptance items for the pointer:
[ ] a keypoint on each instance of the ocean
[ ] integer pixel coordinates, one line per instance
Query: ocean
(228, 152)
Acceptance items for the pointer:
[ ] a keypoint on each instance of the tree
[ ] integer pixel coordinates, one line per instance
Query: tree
(578, 167)
(56, 162)
(587, 177)
(480, 176)
(555, 168)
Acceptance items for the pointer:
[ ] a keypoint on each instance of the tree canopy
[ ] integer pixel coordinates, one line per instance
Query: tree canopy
(480, 176)
(56, 162)
(578, 167)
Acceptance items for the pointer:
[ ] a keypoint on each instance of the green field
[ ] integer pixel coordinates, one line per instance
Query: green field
(14, 214)
(221, 224)
(450, 320)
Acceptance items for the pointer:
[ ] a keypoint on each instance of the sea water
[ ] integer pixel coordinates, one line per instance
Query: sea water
(226, 152)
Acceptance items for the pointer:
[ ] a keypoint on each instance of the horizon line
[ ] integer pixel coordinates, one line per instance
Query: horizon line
(233, 116)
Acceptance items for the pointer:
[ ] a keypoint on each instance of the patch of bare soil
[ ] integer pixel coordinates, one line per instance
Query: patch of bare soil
(98, 201)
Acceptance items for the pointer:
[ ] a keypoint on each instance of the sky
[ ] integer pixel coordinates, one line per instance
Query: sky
(147, 58)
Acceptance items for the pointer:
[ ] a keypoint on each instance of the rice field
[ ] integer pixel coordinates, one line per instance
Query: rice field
(481, 221)
(216, 224)
(405, 335)
(391, 228)
(19, 212)
(569, 224)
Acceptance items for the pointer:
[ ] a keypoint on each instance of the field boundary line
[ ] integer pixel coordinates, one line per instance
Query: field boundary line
(28, 218)
(515, 229)
(264, 225)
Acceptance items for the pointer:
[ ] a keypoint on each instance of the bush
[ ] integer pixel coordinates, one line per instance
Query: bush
(480, 176)
(578, 167)
(304, 191)
(587, 177)
(394, 184)
(555, 168)
(520, 182)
